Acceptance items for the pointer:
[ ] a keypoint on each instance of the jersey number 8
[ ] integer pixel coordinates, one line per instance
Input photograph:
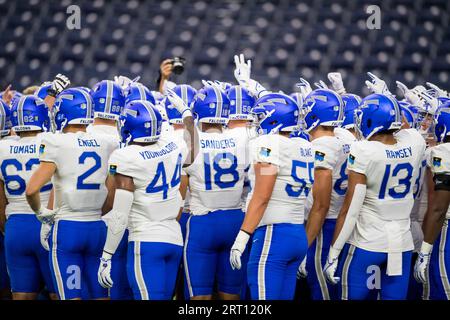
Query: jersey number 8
(220, 171)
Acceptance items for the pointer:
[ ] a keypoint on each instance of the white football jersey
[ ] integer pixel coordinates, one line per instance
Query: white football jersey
(331, 153)
(421, 190)
(216, 177)
(19, 158)
(344, 134)
(295, 161)
(81, 160)
(439, 162)
(156, 173)
(179, 136)
(103, 129)
(242, 132)
(384, 222)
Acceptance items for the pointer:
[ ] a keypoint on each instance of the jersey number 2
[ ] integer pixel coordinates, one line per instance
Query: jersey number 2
(81, 185)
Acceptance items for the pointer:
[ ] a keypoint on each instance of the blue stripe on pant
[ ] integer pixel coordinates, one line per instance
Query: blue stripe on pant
(316, 258)
(209, 239)
(439, 269)
(152, 269)
(75, 250)
(277, 251)
(4, 277)
(121, 289)
(26, 259)
(363, 275)
(183, 223)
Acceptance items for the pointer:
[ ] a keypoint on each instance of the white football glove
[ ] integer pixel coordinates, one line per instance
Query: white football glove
(331, 266)
(46, 215)
(237, 249)
(124, 82)
(242, 69)
(336, 82)
(438, 92)
(376, 85)
(178, 103)
(302, 272)
(305, 87)
(431, 103)
(60, 83)
(411, 96)
(321, 85)
(104, 271)
(45, 233)
(422, 263)
(242, 74)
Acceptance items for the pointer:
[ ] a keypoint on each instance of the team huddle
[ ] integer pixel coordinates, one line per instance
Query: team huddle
(229, 192)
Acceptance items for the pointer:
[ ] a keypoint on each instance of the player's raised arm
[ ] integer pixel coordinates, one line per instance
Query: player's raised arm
(190, 133)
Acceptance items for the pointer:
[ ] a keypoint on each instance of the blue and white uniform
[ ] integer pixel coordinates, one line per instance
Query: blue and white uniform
(330, 153)
(26, 259)
(377, 257)
(216, 180)
(439, 268)
(155, 244)
(279, 243)
(121, 289)
(78, 234)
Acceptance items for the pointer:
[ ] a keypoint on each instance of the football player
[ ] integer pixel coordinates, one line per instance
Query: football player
(216, 183)
(147, 176)
(375, 218)
(436, 219)
(323, 110)
(109, 101)
(26, 258)
(76, 162)
(281, 176)
(5, 134)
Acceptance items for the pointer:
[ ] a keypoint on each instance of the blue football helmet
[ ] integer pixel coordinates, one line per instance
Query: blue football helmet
(5, 119)
(351, 103)
(41, 92)
(140, 122)
(211, 105)
(73, 106)
(322, 107)
(377, 113)
(241, 102)
(108, 100)
(442, 122)
(410, 113)
(30, 113)
(137, 91)
(185, 92)
(276, 112)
